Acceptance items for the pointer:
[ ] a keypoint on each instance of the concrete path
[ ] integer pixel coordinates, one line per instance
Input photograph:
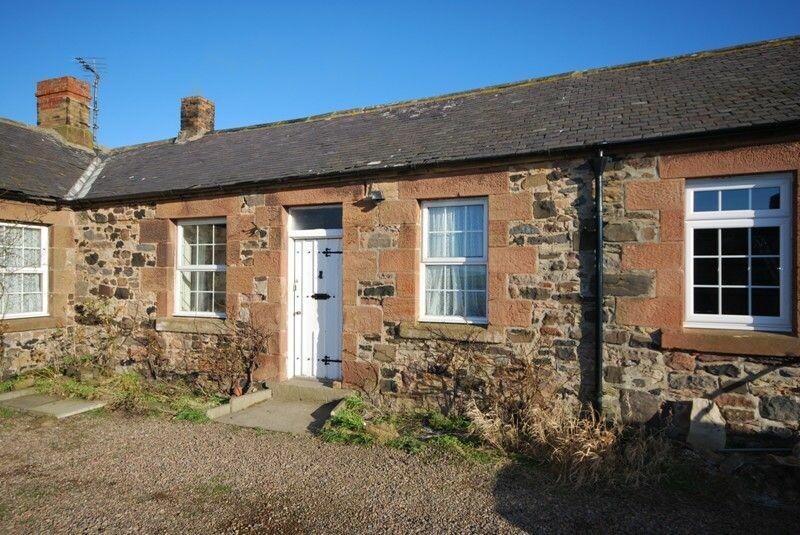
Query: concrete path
(300, 417)
(28, 400)
(298, 406)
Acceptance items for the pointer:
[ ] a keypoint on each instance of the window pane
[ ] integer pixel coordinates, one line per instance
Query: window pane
(220, 255)
(434, 277)
(735, 199)
(190, 233)
(219, 303)
(765, 271)
(13, 237)
(734, 272)
(33, 237)
(436, 245)
(31, 282)
(706, 241)
(205, 302)
(205, 255)
(734, 301)
(473, 244)
(185, 289)
(32, 303)
(203, 281)
(706, 271)
(14, 258)
(12, 283)
(766, 198)
(32, 258)
(219, 234)
(765, 240)
(705, 301)
(323, 217)
(219, 281)
(475, 277)
(706, 201)
(476, 304)
(766, 302)
(734, 241)
(13, 303)
(475, 217)
(205, 233)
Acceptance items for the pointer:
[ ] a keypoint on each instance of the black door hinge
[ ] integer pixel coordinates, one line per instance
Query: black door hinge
(328, 252)
(321, 296)
(327, 360)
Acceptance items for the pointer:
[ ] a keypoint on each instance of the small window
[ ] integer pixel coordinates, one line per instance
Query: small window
(454, 253)
(739, 253)
(317, 217)
(201, 268)
(23, 271)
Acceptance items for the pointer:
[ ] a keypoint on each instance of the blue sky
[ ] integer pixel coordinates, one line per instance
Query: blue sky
(266, 61)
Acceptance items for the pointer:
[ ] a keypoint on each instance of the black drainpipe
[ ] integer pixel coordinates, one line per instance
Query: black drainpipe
(598, 164)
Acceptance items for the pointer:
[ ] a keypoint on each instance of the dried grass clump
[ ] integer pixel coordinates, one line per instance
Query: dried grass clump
(540, 421)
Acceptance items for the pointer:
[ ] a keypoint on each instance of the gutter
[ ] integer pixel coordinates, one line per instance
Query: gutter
(598, 164)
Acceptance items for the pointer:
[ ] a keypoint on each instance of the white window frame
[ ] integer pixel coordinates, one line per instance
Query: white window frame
(453, 261)
(43, 270)
(180, 267)
(781, 217)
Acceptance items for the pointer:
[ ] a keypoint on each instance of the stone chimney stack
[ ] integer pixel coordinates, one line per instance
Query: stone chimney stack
(197, 118)
(62, 104)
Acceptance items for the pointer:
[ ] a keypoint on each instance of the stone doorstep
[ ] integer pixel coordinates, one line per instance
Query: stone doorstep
(239, 403)
(307, 390)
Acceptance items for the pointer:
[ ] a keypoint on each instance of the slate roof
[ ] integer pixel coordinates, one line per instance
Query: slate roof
(36, 163)
(749, 86)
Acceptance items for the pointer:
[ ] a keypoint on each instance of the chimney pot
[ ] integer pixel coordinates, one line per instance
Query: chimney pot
(197, 118)
(62, 104)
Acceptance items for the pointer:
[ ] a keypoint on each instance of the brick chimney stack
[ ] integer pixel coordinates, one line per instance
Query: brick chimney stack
(197, 118)
(62, 104)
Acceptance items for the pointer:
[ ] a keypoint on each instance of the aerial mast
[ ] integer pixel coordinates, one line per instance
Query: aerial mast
(93, 67)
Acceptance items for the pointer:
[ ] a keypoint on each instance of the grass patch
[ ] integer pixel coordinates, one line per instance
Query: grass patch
(5, 412)
(131, 393)
(407, 443)
(215, 487)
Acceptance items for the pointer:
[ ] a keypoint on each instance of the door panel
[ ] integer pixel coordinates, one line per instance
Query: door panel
(317, 308)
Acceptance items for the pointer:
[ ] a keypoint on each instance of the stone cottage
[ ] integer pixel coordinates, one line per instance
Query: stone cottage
(368, 242)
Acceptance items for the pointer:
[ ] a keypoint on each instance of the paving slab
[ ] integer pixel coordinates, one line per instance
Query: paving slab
(51, 405)
(65, 408)
(26, 403)
(299, 417)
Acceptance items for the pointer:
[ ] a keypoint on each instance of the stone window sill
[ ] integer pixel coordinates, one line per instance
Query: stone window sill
(191, 325)
(31, 324)
(733, 342)
(460, 332)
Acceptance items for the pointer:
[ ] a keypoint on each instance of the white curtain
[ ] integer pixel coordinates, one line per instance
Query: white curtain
(456, 290)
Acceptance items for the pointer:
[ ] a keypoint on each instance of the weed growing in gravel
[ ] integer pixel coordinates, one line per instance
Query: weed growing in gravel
(413, 432)
(9, 384)
(406, 443)
(192, 415)
(5, 412)
(215, 487)
(347, 425)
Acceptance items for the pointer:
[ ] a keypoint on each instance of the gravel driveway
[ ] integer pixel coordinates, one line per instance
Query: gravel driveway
(137, 475)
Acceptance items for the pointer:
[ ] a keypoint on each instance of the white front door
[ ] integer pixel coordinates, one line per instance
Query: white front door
(316, 308)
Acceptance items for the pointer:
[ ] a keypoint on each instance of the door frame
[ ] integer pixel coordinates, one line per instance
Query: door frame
(296, 235)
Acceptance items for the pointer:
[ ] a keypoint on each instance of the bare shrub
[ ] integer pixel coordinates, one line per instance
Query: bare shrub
(231, 361)
(540, 420)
